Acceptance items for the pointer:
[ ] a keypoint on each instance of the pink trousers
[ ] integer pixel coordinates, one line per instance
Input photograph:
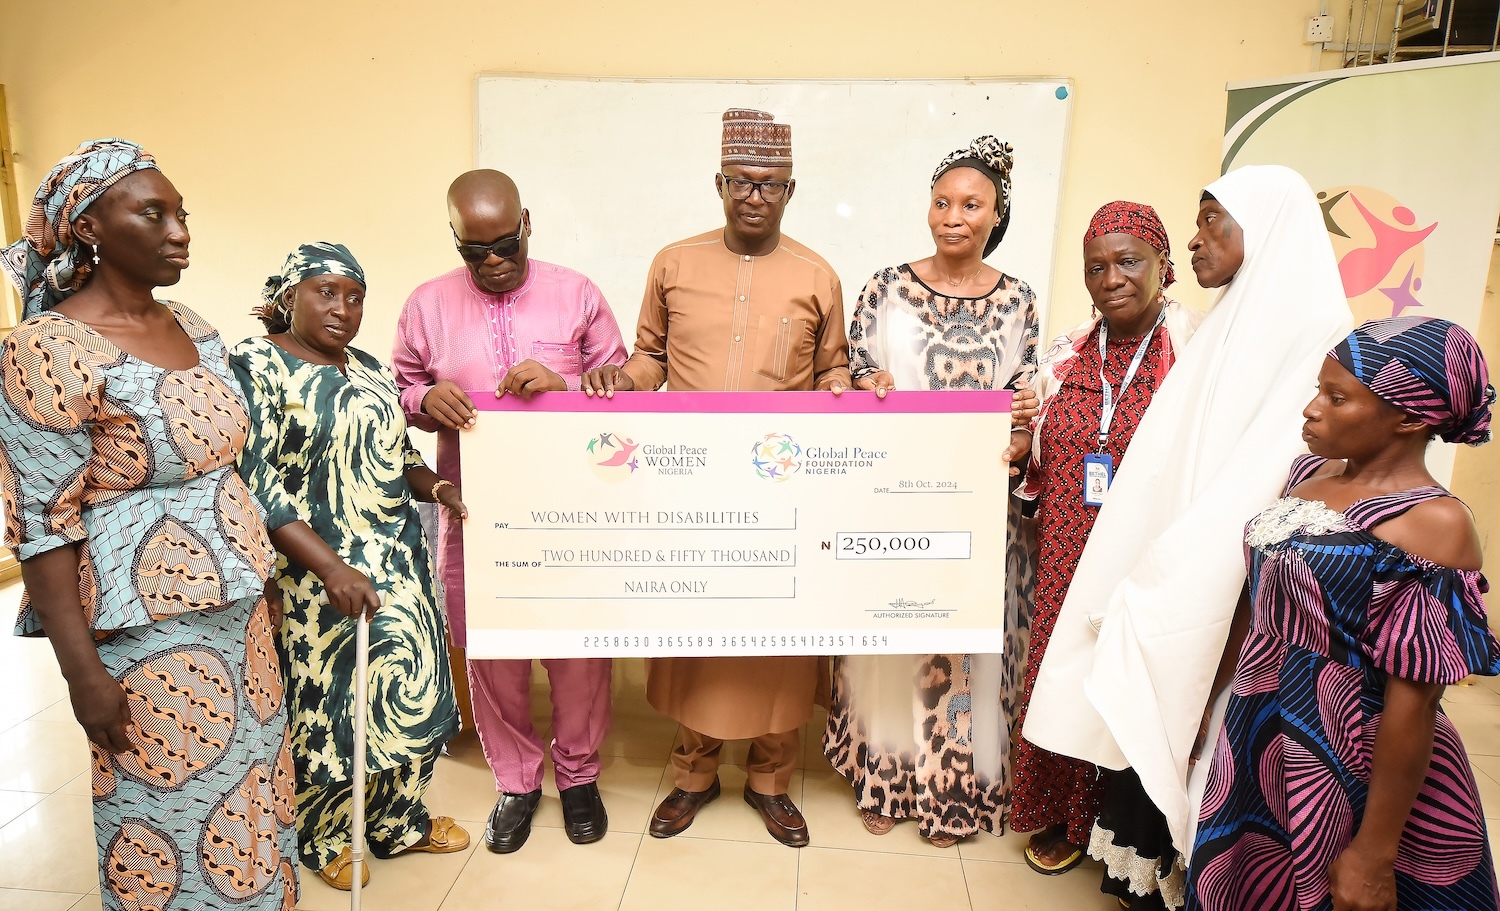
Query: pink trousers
(501, 692)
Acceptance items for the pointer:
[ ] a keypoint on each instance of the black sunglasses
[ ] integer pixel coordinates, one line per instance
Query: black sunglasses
(505, 247)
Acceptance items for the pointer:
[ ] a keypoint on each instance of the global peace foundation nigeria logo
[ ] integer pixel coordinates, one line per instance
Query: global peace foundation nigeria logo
(612, 456)
(776, 457)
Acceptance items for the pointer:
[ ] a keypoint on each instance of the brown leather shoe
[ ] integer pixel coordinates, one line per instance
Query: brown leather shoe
(676, 812)
(783, 820)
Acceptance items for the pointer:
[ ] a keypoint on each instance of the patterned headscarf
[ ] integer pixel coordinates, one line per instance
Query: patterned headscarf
(1429, 368)
(994, 159)
(307, 261)
(1137, 220)
(49, 262)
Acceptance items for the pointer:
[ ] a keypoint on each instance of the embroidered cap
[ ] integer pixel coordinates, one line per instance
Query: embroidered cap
(754, 138)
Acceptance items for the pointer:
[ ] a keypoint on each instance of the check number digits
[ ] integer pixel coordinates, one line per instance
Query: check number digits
(722, 641)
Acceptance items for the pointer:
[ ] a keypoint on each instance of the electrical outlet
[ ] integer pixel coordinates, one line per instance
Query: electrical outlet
(1320, 29)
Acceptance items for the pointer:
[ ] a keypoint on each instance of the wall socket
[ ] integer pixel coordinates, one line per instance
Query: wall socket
(1320, 29)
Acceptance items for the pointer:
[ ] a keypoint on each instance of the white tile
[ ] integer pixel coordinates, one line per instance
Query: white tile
(411, 882)
(832, 880)
(548, 872)
(1487, 776)
(1478, 726)
(51, 847)
(689, 874)
(20, 900)
(14, 803)
(1008, 848)
(462, 784)
(81, 785)
(42, 755)
(1019, 888)
(1470, 694)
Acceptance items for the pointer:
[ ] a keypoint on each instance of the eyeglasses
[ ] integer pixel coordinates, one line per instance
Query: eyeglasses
(770, 190)
(505, 247)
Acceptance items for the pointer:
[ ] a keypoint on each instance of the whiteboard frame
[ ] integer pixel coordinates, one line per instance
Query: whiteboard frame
(851, 291)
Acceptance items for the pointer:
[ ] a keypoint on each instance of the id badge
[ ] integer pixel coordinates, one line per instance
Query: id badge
(1098, 472)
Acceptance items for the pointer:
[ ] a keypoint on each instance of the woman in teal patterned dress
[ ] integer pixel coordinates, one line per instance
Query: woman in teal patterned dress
(328, 451)
(145, 558)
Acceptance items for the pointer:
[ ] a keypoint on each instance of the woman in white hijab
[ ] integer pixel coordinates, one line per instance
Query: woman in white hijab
(1129, 669)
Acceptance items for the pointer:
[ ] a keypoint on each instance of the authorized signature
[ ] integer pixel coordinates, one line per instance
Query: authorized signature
(903, 604)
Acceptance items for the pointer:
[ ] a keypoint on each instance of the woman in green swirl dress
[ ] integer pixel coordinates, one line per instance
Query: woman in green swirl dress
(328, 447)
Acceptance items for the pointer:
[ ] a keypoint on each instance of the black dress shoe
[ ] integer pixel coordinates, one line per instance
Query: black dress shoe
(510, 821)
(583, 813)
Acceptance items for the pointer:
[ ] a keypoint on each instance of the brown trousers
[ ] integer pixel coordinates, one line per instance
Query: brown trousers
(769, 767)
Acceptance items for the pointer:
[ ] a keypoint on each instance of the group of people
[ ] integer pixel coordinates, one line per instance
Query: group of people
(201, 526)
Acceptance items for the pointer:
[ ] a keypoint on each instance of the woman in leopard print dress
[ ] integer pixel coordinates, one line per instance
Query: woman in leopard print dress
(928, 737)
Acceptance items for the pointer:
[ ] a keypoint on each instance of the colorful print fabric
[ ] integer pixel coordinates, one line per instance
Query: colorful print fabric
(134, 463)
(49, 263)
(1336, 611)
(332, 450)
(1051, 789)
(1137, 220)
(928, 737)
(1429, 368)
(201, 814)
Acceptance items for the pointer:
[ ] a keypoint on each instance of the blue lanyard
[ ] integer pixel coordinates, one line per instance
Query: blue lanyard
(1107, 412)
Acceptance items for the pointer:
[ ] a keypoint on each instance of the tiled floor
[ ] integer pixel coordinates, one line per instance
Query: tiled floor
(725, 861)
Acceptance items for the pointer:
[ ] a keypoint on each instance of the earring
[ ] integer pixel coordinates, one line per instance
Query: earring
(96, 254)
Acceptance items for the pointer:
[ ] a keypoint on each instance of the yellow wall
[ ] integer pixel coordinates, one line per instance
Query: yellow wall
(1476, 470)
(286, 121)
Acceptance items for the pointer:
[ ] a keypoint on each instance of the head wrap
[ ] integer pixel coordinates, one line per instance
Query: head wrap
(994, 159)
(1429, 368)
(1137, 220)
(1165, 562)
(753, 138)
(49, 263)
(307, 261)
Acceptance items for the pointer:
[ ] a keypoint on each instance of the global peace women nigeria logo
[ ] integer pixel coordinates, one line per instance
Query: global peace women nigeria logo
(775, 457)
(612, 456)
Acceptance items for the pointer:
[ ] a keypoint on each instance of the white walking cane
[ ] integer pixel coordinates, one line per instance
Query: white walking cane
(361, 710)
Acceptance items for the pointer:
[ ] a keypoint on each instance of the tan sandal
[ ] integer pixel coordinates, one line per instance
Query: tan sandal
(340, 872)
(943, 840)
(876, 824)
(444, 836)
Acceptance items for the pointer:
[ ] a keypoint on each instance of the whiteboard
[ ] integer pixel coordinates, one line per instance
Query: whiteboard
(613, 170)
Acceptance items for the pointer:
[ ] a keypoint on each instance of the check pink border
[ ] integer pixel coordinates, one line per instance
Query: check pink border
(853, 402)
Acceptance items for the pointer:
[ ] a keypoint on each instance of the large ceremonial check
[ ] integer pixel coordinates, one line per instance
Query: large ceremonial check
(735, 523)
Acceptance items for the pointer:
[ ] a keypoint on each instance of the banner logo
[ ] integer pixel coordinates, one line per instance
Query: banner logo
(776, 457)
(612, 456)
(1378, 243)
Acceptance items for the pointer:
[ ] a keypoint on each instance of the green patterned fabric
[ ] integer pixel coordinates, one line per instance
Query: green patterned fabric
(332, 450)
(395, 816)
